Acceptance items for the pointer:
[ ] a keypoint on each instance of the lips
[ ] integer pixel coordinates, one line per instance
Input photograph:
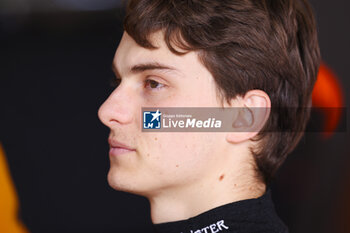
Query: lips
(117, 148)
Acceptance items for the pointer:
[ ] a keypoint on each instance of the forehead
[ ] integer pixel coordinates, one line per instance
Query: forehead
(129, 54)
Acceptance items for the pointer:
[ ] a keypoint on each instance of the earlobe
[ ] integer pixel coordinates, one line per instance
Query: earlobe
(251, 118)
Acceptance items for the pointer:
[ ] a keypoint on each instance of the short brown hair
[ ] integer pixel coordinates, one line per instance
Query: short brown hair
(269, 45)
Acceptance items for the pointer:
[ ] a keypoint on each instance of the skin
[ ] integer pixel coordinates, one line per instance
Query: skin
(181, 174)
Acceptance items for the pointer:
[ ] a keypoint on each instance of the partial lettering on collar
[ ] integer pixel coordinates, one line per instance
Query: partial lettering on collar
(212, 228)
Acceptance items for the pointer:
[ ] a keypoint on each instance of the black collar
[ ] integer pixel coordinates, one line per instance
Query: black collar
(252, 215)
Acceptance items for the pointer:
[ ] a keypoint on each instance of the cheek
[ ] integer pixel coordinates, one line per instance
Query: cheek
(180, 154)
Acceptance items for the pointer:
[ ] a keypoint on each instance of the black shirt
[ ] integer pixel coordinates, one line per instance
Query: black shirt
(246, 216)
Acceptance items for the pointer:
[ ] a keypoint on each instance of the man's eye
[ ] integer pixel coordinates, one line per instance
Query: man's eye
(149, 83)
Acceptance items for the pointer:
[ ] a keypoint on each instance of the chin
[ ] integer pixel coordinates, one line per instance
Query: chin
(124, 183)
(113, 183)
(116, 181)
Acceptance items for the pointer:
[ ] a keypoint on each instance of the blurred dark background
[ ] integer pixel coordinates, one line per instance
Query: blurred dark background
(55, 59)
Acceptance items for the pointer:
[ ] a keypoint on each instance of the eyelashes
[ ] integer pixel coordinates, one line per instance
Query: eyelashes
(152, 84)
(149, 84)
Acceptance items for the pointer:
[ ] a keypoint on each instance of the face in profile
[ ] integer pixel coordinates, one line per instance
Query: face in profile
(152, 163)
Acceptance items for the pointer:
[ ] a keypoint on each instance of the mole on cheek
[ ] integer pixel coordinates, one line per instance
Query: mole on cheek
(177, 165)
(221, 177)
(155, 139)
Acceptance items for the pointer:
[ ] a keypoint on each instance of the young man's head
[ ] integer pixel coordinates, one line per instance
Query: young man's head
(209, 53)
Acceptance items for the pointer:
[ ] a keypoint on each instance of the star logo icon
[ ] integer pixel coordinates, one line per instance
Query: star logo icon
(156, 115)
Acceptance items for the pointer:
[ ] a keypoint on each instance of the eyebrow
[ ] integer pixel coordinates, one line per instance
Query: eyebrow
(139, 68)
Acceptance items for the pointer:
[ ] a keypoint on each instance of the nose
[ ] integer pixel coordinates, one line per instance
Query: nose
(118, 108)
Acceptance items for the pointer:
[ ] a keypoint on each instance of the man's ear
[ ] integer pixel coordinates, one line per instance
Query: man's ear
(250, 118)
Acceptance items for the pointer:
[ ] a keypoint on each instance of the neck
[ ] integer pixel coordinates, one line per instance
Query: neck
(212, 191)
